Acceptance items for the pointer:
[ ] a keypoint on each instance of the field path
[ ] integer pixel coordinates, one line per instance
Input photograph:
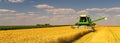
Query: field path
(103, 34)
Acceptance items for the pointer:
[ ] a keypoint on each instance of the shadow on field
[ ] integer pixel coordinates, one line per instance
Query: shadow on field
(78, 36)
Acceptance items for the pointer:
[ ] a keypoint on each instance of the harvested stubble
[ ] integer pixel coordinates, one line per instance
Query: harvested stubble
(103, 34)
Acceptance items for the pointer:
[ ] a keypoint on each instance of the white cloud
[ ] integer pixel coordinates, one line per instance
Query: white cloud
(26, 15)
(12, 17)
(96, 9)
(22, 18)
(114, 9)
(62, 19)
(112, 20)
(86, 11)
(9, 18)
(33, 13)
(82, 12)
(117, 15)
(102, 14)
(7, 11)
(56, 18)
(21, 15)
(43, 6)
(61, 11)
(16, 1)
(42, 17)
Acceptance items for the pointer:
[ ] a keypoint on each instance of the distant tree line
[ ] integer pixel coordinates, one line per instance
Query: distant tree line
(28, 26)
(43, 25)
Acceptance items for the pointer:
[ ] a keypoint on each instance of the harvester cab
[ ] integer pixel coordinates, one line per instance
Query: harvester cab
(86, 22)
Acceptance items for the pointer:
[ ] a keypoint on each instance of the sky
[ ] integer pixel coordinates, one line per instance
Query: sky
(60, 12)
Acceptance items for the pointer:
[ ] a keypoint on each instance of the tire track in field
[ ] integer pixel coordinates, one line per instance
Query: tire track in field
(88, 37)
(117, 39)
(102, 35)
(93, 37)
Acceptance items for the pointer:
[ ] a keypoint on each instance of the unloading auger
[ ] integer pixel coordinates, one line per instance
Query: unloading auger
(86, 22)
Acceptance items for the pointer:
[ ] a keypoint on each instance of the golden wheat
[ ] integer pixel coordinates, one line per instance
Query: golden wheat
(42, 35)
(104, 34)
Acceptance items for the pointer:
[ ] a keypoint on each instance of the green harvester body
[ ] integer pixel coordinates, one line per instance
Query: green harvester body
(85, 21)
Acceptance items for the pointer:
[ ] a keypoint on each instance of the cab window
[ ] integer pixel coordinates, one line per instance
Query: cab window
(83, 19)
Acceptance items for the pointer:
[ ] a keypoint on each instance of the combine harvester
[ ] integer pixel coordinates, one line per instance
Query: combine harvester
(86, 22)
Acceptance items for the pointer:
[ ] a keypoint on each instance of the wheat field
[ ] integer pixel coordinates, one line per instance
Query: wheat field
(42, 35)
(103, 34)
(65, 34)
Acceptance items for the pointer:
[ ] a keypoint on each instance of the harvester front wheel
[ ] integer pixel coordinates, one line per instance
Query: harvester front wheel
(92, 29)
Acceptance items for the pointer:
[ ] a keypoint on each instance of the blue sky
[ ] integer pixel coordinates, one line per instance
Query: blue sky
(28, 12)
(75, 4)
